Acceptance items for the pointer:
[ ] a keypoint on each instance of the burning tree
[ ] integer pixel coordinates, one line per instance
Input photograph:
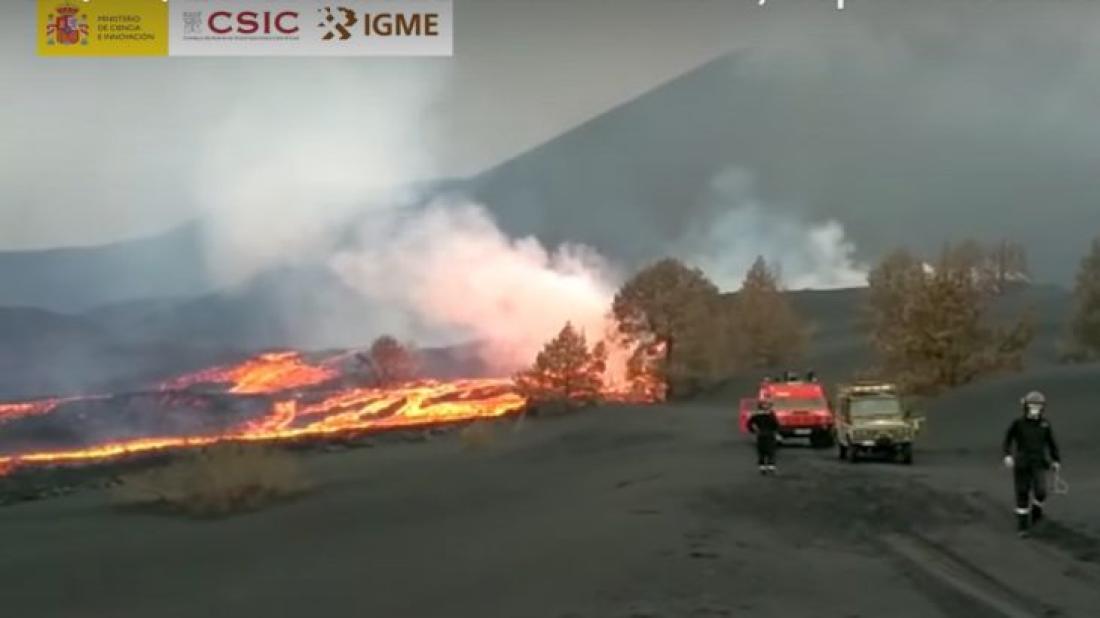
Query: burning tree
(930, 323)
(769, 331)
(390, 362)
(673, 310)
(565, 372)
(634, 369)
(1085, 324)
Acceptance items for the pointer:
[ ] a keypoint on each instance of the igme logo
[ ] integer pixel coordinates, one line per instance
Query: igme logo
(332, 27)
(339, 23)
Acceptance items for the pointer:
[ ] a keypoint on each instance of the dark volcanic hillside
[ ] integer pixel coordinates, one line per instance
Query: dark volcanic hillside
(76, 279)
(630, 181)
(300, 307)
(44, 353)
(633, 180)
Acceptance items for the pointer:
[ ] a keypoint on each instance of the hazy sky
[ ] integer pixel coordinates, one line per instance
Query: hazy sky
(96, 149)
(99, 149)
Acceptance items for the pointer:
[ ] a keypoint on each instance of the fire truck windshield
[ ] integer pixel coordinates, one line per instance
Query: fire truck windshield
(798, 403)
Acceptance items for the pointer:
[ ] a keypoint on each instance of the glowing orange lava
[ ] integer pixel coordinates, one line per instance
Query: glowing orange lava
(12, 411)
(302, 407)
(353, 410)
(267, 373)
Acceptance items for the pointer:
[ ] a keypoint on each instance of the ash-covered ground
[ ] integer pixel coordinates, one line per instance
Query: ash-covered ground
(618, 512)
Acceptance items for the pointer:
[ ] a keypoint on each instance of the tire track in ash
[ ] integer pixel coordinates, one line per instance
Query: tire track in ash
(950, 571)
(1056, 539)
(959, 585)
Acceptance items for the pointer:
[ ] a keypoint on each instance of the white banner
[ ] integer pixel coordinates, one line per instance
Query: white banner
(311, 28)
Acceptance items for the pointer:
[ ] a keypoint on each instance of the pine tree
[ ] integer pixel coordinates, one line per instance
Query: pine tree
(770, 332)
(671, 308)
(565, 371)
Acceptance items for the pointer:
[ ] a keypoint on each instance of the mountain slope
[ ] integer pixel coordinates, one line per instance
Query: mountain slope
(819, 143)
(77, 279)
(44, 354)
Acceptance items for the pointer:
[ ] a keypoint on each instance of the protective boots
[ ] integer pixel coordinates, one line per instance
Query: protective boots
(1036, 513)
(1023, 522)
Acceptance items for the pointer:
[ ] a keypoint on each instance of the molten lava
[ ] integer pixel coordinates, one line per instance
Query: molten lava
(350, 411)
(303, 403)
(12, 411)
(267, 373)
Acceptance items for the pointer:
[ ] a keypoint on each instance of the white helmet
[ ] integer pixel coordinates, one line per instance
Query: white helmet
(1033, 403)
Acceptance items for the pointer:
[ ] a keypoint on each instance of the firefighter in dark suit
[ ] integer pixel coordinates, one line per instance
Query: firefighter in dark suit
(1030, 450)
(766, 427)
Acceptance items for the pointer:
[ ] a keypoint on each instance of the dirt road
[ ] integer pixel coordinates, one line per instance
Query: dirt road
(631, 512)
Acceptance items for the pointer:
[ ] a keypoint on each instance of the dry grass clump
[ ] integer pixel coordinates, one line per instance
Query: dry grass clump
(216, 481)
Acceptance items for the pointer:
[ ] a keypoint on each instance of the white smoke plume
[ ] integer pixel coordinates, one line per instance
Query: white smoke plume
(319, 189)
(808, 254)
(279, 179)
(453, 268)
(317, 179)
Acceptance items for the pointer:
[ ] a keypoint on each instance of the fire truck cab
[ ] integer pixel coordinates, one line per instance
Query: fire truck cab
(800, 406)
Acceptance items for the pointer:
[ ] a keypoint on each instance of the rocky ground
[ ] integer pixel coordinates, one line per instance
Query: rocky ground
(621, 512)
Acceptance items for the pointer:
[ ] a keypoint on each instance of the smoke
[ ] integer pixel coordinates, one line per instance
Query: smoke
(451, 266)
(323, 184)
(740, 228)
(279, 179)
(327, 177)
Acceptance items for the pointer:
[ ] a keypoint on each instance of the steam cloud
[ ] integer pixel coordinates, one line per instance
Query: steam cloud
(741, 227)
(324, 198)
(452, 266)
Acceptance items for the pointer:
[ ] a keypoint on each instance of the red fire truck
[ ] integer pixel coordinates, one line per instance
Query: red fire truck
(800, 405)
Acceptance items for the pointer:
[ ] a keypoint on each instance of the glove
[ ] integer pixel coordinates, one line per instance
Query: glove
(1009, 462)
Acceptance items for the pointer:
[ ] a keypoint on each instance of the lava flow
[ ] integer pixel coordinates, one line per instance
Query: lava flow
(12, 411)
(276, 396)
(267, 373)
(349, 411)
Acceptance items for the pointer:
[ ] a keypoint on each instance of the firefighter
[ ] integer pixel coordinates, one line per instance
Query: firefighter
(765, 425)
(1030, 450)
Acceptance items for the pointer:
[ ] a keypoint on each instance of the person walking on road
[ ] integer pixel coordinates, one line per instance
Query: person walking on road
(1029, 451)
(766, 427)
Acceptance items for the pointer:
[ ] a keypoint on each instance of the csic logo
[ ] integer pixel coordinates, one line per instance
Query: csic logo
(228, 23)
(68, 26)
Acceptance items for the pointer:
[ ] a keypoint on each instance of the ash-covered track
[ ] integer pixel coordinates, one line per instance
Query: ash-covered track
(631, 510)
